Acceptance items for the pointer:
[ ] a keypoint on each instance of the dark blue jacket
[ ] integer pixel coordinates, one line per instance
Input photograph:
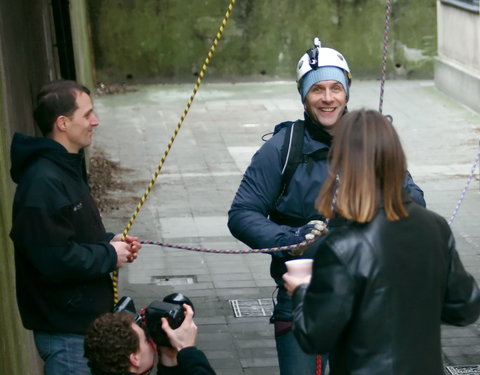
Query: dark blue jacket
(62, 253)
(258, 192)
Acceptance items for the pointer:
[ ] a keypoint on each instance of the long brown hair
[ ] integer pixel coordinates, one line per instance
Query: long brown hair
(367, 164)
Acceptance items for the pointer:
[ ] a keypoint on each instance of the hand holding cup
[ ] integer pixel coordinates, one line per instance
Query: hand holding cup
(299, 272)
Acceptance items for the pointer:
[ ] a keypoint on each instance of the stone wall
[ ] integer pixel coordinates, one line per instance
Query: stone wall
(169, 39)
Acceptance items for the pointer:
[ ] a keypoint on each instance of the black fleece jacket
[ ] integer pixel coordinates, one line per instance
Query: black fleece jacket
(62, 253)
(191, 361)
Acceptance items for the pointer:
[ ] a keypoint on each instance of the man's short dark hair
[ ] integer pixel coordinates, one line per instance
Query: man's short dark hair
(109, 341)
(55, 99)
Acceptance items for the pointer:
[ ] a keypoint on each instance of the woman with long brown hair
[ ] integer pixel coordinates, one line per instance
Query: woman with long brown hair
(383, 283)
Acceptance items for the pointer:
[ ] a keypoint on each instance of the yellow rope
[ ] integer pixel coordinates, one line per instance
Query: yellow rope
(172, 139)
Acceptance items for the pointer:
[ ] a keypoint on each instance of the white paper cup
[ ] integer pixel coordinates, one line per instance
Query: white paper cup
(299, 267)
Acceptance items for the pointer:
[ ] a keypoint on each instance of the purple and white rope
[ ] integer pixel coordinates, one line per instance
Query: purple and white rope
(300, 245)
(385, 53)
(242, 251)
(462, 196)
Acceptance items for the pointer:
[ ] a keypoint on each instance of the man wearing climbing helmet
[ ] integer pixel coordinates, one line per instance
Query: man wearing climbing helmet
(274, 204)
(63, 255)
(323, 78)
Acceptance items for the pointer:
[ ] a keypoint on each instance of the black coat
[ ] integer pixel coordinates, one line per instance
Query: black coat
(62, 253)
(379, 292)
(191, 361)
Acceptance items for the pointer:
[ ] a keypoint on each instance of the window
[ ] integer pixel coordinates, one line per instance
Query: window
(470, 5)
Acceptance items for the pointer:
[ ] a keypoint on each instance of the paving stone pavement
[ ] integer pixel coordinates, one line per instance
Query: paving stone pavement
(189, 202)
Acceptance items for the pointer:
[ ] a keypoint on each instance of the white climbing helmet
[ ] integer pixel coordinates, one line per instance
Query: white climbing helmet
(319, 56)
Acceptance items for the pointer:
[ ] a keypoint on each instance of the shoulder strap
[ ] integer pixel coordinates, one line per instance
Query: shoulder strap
(319, 155)
(292, 153)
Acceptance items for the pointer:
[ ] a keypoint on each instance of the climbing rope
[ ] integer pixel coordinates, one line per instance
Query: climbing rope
(385, 53)
(380, 108)
(309, 243)
(172, 139)
(462, 196)
(300, 245)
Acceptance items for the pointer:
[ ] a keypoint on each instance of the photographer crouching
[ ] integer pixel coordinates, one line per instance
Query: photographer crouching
(123, 342)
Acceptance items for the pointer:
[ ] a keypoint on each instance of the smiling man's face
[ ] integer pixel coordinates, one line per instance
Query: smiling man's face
(325, 102)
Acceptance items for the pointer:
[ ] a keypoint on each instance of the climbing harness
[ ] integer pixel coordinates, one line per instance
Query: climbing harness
(385, 53)
(172, 139)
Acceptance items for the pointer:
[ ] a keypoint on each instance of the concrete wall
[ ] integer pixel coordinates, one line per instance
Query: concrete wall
(28, 59)
(24, 64)
(168, 40)
(457, 67)
(17, 355)
(82, 47)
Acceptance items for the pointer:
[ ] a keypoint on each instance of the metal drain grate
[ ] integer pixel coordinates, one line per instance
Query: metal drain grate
(464, 370)
(247, 308)
(173, 280)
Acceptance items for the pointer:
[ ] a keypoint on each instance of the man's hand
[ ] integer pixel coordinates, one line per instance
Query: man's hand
(135, 246)
(185, 335)
(292, 282)
(310, 231)
(123, 252)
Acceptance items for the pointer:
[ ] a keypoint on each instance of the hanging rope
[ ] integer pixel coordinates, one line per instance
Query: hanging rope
(472, 173)
(172, 139)
(385, 53)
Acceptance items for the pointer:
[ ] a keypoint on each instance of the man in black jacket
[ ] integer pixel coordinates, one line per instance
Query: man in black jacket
(116, 345)
(63, 256)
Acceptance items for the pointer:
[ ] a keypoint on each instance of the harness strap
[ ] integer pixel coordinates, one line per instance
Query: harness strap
(293, 144)
(292, 155)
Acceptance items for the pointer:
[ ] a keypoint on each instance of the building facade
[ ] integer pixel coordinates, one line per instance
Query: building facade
(457, 65)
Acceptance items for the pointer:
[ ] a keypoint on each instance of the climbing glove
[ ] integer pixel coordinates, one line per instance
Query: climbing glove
(310, 231)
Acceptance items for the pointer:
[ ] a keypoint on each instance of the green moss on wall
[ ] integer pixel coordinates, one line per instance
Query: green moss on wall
(169, 39)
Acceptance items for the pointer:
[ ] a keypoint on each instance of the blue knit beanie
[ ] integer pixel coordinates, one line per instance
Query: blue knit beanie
(324, 73)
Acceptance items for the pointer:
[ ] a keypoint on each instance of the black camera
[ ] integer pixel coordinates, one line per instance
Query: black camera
(150, 317)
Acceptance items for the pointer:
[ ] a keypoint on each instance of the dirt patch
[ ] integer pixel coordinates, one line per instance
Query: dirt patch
(104, 177)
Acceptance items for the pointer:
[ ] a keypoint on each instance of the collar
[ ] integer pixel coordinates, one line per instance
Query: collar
(317, 131)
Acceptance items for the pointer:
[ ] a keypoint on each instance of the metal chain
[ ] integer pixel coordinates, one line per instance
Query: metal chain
(172, 139)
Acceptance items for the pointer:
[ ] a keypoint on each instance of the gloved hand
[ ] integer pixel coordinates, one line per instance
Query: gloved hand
(309, 231)
(312, 229)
